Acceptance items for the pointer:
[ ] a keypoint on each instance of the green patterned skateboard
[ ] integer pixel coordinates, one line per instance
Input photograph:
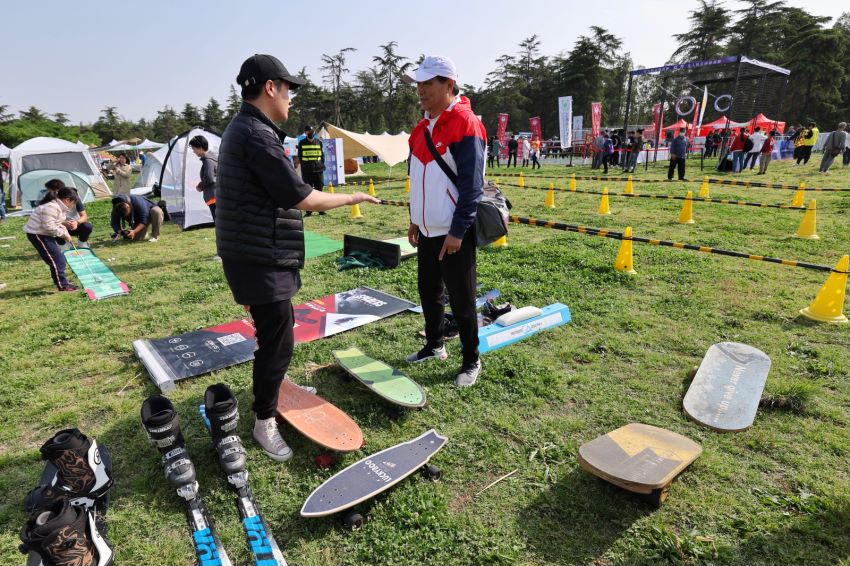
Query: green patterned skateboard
(385, 381)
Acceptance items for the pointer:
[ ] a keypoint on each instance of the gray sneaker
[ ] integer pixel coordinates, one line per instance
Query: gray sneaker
(427, 353)
(468, 374)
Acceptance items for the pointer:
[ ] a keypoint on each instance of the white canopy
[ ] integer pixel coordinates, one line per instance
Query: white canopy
(148, 144)
(52, 153)
(391, 149)
(4, 151)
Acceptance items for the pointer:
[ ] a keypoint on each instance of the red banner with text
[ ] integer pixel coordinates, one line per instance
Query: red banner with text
(500, 133)
(656, 122)
(536, 129)
(693, 131)
(595, 118)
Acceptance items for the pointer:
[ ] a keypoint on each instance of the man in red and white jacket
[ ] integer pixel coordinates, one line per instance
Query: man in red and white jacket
(442, 212)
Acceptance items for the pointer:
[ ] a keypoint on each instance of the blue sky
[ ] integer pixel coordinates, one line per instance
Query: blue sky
(78, 57)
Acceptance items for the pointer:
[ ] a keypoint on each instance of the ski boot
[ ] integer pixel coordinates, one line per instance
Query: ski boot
(77, 469)
(222, 412)
(162, 424)
(61, 534)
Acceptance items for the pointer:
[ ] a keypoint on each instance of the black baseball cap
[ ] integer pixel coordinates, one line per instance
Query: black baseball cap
(308, 128)
(261, 68)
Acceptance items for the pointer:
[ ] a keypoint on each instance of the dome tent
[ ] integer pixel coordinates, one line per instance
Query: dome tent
(32, 188)
(180, 175)
(149, 175)
(55, 154)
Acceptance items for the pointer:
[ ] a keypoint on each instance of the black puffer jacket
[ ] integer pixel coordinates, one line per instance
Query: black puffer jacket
(256, 221)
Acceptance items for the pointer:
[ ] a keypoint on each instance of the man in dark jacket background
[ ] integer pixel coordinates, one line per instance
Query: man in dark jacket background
(209, 168)
(260, 231)
(678, 155)
(138, 213)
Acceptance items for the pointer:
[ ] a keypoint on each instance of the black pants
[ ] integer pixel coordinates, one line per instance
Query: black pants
(605, 159)
(805, 154)
(315, 179)
(750, 158)
(456, 273)
(275, 341)
(491, 159)
(49, 251)
(510, 155)
(82, 232)
(676, 162)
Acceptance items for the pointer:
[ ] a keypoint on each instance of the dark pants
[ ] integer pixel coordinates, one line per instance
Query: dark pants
(455, 273)
(315, 179)
(535, 162)
(491, 159)
(751, 158)
(212, 211)
(511, 154)
(605, 160)
(82, 232)
(805, 154)
(676, 162)
(48, 249)
(275, 341)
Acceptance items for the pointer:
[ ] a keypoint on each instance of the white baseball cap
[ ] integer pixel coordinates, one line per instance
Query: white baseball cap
(429, 68)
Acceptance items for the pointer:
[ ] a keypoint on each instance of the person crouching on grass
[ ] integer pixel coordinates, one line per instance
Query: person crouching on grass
(46, 231)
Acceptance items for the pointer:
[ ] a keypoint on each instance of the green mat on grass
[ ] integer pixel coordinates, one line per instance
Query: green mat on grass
(316, 245)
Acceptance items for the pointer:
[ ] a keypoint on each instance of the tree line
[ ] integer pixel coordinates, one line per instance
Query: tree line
(524, 83)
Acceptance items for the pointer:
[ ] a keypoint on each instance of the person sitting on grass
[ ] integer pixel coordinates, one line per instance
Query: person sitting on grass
(77, 220)
(138, 213)
(46, 231)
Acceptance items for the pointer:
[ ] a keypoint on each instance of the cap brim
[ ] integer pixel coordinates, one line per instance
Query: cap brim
(294, 82)
(409, 78)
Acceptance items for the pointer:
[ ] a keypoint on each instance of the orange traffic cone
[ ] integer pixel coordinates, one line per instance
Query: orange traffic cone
(624, 261)
(829, 301)
(603, 204)
(686, 216)
(808, 227)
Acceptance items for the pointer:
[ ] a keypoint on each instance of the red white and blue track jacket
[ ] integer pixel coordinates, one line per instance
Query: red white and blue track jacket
(437, 206)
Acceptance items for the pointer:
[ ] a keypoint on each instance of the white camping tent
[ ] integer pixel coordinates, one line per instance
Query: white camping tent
(32, 186)
(391, 149)
(149, 175)
(4, 151)
(179, 177)
(149, 144)
(55, 154)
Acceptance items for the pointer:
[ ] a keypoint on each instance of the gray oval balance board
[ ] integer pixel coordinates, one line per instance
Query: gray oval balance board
(725, 392)
(380, 378)
(372, 475)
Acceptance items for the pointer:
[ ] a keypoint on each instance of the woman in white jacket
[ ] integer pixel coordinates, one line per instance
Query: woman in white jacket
(46, 232)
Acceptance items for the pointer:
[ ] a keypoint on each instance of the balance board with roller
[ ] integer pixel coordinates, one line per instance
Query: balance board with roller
(495, 336)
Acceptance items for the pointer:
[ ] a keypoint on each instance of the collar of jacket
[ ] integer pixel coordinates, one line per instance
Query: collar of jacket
(252, 110)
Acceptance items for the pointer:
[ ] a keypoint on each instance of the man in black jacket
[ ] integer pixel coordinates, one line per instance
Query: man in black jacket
(311, 157)
(513, 144)
(260, 232)
(131, 216)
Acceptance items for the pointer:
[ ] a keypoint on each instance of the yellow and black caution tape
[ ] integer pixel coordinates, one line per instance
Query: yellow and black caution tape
(601, 232)
(604, 233)
(733, 182)
(674, 197)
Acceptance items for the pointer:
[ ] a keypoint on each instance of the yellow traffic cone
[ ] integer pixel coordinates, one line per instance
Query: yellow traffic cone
(550, 196)
(703, 189)
(603, 204)
(355, 211)
(829, 302)
(800, 195)
(687, 214)
(330, 187)
(630, 186)
(407, 185)
(809, 226)
(521, 182)
(573, 182)
(624, 261)
(501, 242)
(371, 188)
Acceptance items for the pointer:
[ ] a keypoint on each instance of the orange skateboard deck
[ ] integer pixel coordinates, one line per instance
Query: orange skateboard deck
(640, 458)
(318, 420)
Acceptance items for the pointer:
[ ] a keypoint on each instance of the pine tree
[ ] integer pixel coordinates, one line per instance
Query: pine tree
(213, 119)
(708, 33)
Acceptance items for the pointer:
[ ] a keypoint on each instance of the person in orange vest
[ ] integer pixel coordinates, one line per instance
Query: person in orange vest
(209, 170)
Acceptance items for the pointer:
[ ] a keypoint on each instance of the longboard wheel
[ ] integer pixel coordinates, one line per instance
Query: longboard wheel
(353, 520)
(394, 412)
(432, 472)
(657, 496)
(324, 461)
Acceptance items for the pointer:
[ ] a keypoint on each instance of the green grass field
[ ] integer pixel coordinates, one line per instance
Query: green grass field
(777, 493)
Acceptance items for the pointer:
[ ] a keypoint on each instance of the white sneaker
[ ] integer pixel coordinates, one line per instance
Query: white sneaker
(270, 440)
(152, 240)
(468, 374)
(83, 246)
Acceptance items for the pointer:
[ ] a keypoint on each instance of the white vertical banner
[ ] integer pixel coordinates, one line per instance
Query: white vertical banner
(578, 126)
(565, 119)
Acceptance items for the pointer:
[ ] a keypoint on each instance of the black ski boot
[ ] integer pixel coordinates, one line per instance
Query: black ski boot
(163, 427)
(76, 468)
(62, 534)
(222, 411)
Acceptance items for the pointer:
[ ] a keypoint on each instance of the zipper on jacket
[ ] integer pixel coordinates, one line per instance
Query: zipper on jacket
(424, 170)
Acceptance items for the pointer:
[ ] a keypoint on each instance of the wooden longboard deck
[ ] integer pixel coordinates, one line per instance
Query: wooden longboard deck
(317, 419)
(725, 392)
(372, 475)
(638, 457)
(385, 381)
